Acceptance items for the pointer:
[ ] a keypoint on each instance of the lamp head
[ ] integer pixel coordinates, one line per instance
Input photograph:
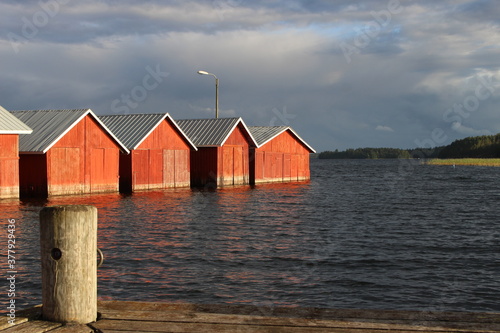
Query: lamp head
(203, 73)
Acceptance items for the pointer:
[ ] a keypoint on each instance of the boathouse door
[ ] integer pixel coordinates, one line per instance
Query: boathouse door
(176, 168)
(234, 168)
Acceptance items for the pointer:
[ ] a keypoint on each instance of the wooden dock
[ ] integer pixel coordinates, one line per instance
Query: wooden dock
(142, 317)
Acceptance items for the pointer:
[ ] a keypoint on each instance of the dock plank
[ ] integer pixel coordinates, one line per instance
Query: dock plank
(22, 316)
(4, 322)
(33, 326)
(451, 321)
(181, 327)
(73, 329)
(316, 313)
(198, 317)
(155, 317)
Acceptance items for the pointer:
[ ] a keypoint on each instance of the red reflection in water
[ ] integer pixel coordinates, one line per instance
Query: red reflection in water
(142, 220)
(145, 236)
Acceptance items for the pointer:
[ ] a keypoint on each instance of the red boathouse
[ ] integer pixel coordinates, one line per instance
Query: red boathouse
(69, 152)
(159, 151)
(281, 156)
(10, 129)
(223, 146)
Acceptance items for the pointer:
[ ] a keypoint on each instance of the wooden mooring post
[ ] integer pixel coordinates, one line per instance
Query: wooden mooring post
(68, 239)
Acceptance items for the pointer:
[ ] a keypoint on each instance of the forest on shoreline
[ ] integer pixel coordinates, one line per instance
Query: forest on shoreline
(486, 146)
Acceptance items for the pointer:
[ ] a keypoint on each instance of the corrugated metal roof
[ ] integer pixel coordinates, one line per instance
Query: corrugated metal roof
(264, 134)
(51, 125)
(133, 129)
(211, 132)
(9, 124)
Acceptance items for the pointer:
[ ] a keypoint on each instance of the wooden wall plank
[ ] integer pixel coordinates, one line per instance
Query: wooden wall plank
(169, 166)
(287, 167)
(96, 169)
(9, 146)
(228, 165)
(140, 163)
(9, 178)
(182, 168)
(238, 165)
(9, 166)
(294, 167)
(155, 168)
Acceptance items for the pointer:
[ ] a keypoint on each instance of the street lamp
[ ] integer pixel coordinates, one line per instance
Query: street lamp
(216, 91)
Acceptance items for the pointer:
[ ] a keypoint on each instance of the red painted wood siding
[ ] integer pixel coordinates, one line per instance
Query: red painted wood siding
(234, 169)
(9, 166)
(90, 163)
(161, 161)
(165, 136)
(103, 173)
(282, 159)
(85, 160)
(159, 168)
(221, 166)
(182, 168)
(65, 173)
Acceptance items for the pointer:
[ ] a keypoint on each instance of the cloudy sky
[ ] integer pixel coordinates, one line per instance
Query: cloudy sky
(343, 74)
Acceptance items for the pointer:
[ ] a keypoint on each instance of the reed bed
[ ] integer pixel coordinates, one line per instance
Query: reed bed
(495, 162)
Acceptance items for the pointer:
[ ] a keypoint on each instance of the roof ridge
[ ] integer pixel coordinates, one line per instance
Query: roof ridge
(133, 114)
(212, 119)
(49, 110)
(281, 126)
(39, 110)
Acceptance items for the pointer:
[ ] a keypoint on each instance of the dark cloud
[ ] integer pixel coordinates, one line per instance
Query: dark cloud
(344, 74)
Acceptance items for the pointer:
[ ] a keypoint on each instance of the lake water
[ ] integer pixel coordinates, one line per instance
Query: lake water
(380, 234)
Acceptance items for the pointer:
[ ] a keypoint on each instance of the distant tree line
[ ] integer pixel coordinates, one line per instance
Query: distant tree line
(365, 153)
(487, 146)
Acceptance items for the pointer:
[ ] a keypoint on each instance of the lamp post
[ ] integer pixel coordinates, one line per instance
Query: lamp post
(216, 91)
